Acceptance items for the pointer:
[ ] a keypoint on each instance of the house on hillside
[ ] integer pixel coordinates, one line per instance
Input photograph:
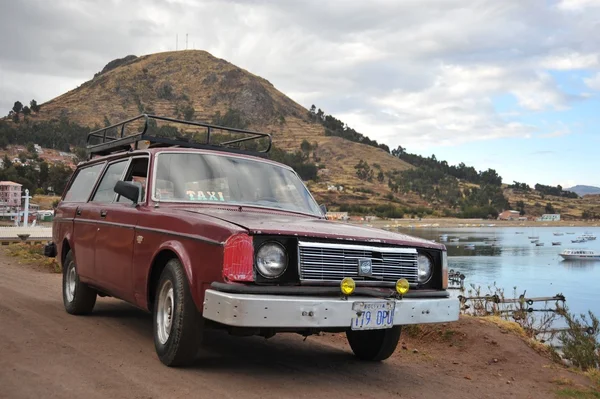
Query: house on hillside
(509, 215)
(10, 193)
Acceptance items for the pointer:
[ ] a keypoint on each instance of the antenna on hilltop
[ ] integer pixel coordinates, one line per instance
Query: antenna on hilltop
(186, 37)
(176, 41)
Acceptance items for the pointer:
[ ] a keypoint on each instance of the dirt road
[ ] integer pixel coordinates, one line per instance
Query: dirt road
(46, 353)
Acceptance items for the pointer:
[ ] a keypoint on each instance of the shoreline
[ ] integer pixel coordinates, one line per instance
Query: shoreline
(470, 223)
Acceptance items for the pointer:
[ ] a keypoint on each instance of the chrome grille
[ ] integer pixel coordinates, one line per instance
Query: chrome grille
(330, 262)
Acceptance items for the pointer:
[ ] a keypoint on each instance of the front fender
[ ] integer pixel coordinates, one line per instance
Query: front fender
(178, 248)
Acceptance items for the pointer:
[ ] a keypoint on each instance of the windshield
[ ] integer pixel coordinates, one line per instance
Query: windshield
(209, 178)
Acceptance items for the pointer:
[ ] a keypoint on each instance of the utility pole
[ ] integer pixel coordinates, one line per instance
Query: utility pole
(26, 213)
(176, 41)
(186, 38)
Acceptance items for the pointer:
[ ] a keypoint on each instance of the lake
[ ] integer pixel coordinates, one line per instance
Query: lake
(515, 261)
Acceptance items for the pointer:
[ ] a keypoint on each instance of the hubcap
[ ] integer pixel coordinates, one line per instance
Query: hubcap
(164, 313)
(70, 282)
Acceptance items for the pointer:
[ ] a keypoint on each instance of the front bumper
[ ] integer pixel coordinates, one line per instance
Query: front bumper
(263, 310)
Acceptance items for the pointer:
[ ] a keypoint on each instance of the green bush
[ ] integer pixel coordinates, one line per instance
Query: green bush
(580, 342)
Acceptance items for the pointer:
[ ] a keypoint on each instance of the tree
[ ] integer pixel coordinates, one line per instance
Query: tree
(188, 112)
(6, 162)
(305, 146)
(44, 174)
(34, 106)
(26, 110)
(398, 151)
(521, 207)
(15, 117)
(17, 107)
(549, 208)
(30, 148)
(363, 170)
(380, 176)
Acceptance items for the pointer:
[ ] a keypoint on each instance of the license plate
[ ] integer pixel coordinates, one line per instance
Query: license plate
(373, 315)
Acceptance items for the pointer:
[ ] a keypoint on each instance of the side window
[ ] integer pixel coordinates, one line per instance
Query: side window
(106, 188)
(137, 173)
(84, 182)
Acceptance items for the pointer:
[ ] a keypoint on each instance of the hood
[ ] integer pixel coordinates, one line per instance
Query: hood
(279, 223)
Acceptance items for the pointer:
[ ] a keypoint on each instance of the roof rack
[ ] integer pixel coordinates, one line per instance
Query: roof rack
(120, 142)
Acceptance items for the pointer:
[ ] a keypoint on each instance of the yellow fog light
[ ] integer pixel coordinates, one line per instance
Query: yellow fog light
(402, 286)
(347, 286)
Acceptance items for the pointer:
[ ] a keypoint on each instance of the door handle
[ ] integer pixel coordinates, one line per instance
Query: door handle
(78, 212)
(102, 213)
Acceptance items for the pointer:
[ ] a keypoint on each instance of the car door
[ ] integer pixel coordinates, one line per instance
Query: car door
(75, 207)
(116, 229)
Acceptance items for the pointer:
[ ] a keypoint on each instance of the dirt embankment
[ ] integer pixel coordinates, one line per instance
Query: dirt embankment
(46, 353)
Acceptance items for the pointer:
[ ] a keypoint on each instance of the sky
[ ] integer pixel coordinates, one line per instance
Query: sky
(512, 85)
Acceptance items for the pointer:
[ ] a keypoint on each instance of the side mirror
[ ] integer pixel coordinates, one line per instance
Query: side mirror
(129, 190)
(323, 208)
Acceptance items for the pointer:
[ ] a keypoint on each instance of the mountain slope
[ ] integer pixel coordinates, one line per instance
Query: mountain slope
(582, 190)
(170, 83)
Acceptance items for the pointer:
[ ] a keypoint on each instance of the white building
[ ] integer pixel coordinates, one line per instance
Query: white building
(549, 217)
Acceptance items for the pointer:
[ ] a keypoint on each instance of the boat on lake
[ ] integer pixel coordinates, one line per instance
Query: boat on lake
(556, 243)
(578, 239)
(580, 254)
(558, 233)
(534, 241)
(588, 236)
(539, 244)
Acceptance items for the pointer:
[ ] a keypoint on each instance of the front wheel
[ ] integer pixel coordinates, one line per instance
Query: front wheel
(177, 323)
(374, 345)
(78, 298)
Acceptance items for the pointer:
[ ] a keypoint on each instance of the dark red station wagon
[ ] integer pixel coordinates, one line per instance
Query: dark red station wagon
(204, 234)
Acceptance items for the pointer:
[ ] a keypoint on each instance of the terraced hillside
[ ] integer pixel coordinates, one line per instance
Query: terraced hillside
(195, 85)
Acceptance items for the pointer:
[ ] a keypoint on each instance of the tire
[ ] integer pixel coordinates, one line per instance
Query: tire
(176, 321)
(78, 297)
(374, 345)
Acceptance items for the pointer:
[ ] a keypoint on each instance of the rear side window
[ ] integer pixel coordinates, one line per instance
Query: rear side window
(106, 188)
(84, 182)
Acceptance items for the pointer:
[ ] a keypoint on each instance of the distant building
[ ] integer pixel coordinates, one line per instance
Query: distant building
(509, 215)
(10, 193)
(549, 217)
(337, 215)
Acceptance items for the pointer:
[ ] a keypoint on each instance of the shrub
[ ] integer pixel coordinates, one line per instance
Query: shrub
(580, 342)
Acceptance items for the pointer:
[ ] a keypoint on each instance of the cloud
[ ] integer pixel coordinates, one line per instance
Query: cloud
(543, 153)
(577, 5)
(593, 82)
(410, 73)
(556, 133)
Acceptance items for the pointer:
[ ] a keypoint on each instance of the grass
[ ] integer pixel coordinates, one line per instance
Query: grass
(577, 393)
(34, 254)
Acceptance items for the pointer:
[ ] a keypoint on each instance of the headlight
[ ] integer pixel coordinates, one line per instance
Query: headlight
(271, 260)
(425, 267)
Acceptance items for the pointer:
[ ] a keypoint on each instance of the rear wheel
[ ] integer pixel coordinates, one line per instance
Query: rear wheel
(177, 323)
(374, 345)
(78, 298)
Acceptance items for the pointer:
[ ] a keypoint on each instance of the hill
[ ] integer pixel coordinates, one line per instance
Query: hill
(582, 190)
(193, 84)
(343, 168)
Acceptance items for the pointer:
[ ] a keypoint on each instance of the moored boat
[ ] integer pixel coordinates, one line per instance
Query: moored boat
(539, 244)
(580, 254)
(558, 233)
(588, 236)
(556, 243)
